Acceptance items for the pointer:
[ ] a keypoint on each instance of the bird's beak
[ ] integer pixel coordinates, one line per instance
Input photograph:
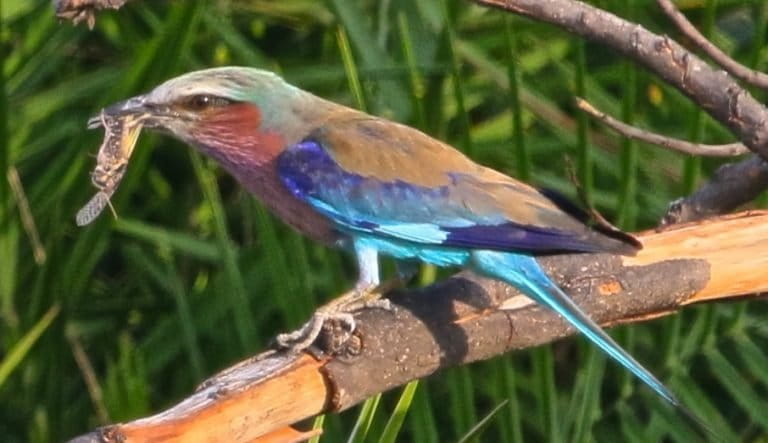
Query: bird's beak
(151, 115)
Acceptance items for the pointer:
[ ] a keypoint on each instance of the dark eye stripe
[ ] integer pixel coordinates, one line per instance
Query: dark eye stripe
(204, 101)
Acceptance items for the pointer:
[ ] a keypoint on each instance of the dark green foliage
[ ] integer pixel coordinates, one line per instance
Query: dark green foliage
(195, 275)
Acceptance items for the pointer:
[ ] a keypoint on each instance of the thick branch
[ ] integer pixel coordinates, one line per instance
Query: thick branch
(731, 186)
(459, 321)
(713, 90)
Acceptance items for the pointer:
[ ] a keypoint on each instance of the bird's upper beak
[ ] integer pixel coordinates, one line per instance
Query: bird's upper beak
(151, 115)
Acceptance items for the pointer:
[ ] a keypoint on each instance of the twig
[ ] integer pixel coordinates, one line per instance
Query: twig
(731, 186)
(713, 90)
(27, 219)
(727, 150)
(733, 67)
(459, 321)
(89, 376)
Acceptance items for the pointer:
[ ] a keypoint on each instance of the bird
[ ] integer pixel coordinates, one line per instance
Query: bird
(377, 187)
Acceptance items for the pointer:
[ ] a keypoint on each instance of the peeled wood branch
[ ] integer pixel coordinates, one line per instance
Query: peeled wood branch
(459, 321)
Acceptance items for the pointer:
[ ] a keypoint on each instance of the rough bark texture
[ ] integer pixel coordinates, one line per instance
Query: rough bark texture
(713, 90)
(457, 321)
(731, 186)
(736, 69)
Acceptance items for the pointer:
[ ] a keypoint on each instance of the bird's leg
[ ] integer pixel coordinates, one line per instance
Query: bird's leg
(366, 294)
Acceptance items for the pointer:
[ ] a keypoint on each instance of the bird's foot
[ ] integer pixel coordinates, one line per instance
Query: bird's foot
(306, 335)
(339, 312)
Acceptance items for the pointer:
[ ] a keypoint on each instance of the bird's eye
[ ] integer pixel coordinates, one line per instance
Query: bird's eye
(203, 101)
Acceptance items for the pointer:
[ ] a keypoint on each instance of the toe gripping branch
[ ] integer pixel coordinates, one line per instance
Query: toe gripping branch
(332, 327)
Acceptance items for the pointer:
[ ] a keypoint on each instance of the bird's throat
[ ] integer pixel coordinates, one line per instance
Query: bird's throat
(234, 137)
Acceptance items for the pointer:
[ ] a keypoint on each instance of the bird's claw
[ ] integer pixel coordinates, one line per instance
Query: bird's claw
(306, 335)
(338, 311)
(381, 303)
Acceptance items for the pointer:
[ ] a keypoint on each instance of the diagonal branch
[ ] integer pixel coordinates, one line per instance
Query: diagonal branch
(714, 91)
(726, 150)
(736, 69)
(459, 321)
(731, 186)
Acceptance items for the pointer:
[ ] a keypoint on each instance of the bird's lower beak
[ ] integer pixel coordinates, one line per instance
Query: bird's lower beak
(150, 114)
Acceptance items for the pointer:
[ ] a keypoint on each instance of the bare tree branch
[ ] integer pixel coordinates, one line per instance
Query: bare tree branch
(731, 186)
(714, 91)
(727, 150)
(733, 67)
(458, 321)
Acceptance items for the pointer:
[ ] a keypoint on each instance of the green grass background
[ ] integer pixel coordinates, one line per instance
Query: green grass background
(195, 275)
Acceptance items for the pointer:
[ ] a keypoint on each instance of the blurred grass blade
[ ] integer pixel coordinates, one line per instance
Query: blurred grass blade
(27, 219)
(395, 422)
(457, 82)
(478, 428)
(754, 358)
(317, 423)
(359, 432)
(240, 304)
(704, 404)
(178, 241)
(21, 348)
(742, 391)
(511, 426)
(357, 24)
(544, 376)
(583, 150)
(522, 155)
(414, 76)
(461, 389)
(629, 157)
(422, 423)
(586, 395)
(353, 75)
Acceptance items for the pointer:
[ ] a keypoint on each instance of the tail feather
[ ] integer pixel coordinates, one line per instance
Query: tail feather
(548, 294)
(523, 272)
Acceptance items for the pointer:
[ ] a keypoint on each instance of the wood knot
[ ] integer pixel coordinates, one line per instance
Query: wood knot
(611, 287)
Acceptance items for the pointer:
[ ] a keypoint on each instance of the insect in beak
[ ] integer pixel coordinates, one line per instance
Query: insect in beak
(121, 132)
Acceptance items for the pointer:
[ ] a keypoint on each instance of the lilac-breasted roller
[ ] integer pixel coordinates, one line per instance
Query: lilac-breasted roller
(374, 186)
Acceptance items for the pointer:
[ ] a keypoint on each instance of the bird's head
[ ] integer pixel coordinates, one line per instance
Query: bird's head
(224, 111)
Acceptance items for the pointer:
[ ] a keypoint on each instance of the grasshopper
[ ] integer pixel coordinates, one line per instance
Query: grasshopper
(120, 136)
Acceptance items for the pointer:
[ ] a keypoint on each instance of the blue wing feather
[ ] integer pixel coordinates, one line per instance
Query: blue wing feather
(410, 212)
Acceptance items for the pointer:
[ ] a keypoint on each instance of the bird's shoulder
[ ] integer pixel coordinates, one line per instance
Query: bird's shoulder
(388, 151)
